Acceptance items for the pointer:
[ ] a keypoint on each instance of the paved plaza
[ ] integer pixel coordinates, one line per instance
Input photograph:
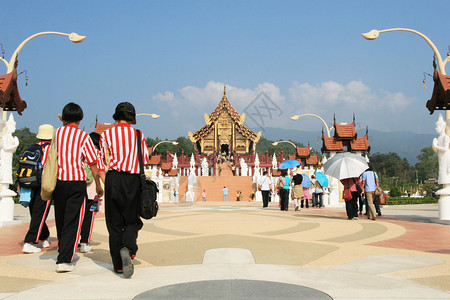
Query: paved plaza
(238, 250)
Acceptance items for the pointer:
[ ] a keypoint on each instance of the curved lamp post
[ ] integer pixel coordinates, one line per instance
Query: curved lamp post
(75, 38)
(276, 143)
(444, 201)
(373, 34)
(154, 116)
(296, 117)
(173, 143)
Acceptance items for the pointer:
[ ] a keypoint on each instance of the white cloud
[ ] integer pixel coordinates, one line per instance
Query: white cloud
(372, 108)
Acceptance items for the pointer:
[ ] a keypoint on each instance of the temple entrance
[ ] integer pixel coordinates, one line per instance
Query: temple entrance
(225, 149)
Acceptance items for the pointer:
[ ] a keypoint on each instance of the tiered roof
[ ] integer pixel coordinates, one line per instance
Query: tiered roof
(9, 93)
(99, 127)
(345, 137)
(225, 104)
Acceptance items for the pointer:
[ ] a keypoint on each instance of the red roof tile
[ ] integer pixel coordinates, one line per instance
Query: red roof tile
(155, 160)
(344, 130)
(360, 144)
(99, 128)
(303, 152)
(312, 160)
(331, 144)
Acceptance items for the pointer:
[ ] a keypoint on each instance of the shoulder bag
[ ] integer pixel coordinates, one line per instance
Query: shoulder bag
(148, 206)
(50, 172)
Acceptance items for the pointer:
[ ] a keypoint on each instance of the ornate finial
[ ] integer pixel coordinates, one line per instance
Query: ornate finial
(225, 90)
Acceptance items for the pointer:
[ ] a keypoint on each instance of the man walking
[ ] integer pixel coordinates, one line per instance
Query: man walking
(265, 186)
(225, 193)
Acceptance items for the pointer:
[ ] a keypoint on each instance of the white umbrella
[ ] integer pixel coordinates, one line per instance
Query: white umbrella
(345, 165)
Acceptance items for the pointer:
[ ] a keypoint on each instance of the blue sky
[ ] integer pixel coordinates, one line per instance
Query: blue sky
(174, 57)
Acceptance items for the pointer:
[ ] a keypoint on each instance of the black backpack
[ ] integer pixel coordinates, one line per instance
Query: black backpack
(30, 167)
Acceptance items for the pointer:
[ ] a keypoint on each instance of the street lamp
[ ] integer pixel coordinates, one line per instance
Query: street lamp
(154, 116)
(296, 117)
(276, 143)
(75, 38)
(173, 143)
(444, 201)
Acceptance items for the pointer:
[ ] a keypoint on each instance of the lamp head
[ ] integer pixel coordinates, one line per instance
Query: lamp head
(295, 118)
(371, 35)
(174, 143)
(275, 143)
(155, 116)
(75, 38)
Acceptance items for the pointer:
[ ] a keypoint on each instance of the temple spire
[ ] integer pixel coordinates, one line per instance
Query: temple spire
(224, 89)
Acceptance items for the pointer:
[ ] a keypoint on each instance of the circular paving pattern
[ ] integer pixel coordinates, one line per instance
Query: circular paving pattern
(233, 289)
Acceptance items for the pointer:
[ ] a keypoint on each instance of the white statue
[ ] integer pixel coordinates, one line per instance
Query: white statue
(175, 162)
(256, 161)
(441, 146)
(274, 162)
(205, 167)
(192, 164)
(244, 167)
(9, 146)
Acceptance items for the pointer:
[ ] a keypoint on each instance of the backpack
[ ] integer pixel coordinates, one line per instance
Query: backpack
(30, 168)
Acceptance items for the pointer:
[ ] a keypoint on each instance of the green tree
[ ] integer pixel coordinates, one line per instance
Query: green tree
(428, 165)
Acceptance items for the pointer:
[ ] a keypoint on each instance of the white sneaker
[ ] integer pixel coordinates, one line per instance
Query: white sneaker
(30, 248)
(44, 243)
(85, 248)
(65, 267)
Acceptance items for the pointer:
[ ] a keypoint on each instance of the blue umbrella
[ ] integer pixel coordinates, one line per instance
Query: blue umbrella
(306, 182)
(322, 179)
(287, 164)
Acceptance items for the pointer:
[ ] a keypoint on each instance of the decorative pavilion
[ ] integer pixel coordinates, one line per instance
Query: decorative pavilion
(345, 139)
(224, 131)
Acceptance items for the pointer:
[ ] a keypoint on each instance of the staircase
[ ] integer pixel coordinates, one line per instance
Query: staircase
(214, 185)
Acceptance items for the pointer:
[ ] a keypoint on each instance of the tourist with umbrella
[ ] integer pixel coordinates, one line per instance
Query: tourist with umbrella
(297, 189)
(347, 167)
(284, 182)
(319, 181)
(306, 184)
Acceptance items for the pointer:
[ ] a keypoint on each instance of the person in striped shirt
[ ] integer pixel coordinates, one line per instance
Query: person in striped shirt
(122, 187)
(38, 232)
(74, 147)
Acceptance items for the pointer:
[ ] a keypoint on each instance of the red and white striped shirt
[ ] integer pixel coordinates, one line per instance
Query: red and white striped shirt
(121, 143)
(74, 147)
(44, 151)
(100, 164)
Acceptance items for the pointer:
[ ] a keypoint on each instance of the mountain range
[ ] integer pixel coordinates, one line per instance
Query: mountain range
(406, 144)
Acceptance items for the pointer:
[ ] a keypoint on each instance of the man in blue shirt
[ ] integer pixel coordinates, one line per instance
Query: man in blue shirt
(225, 193)
(370, 183)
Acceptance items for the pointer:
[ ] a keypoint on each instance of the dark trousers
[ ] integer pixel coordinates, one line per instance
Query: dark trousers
(317, 199)
(39, 210)
(69, 201)
(351, 206)
(307, 203)
(360, 200)
(265, 196)
(88, 223)
(375, 202)
(284, 199)
(122, 213)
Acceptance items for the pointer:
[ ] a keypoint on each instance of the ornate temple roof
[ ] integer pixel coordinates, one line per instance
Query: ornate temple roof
(225, 104)
(99, 127)
(331, 144)
(9, 93)
(155, 160)
(303, 152)
(345, 131)
(360, 144)
(312, 160)
(440, 99)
